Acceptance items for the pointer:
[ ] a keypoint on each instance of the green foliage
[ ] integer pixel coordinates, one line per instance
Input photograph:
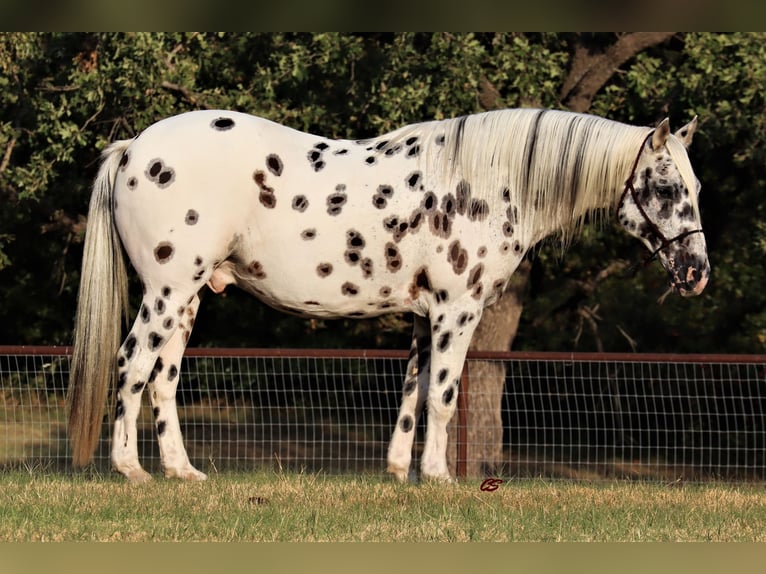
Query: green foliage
(63, 96)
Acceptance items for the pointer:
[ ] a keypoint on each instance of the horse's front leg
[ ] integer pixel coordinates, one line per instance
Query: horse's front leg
(449, 348)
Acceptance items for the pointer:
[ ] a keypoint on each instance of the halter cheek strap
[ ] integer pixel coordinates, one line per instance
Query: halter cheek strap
(665, 242)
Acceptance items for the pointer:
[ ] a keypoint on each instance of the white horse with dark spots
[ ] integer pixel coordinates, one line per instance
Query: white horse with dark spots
(432, 219)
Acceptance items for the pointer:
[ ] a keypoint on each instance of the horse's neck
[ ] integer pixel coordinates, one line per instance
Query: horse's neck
(589, 196)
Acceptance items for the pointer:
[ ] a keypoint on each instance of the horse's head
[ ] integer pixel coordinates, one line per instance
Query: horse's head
(659, 207)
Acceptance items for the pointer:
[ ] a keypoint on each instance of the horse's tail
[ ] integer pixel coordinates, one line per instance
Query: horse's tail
(102, 295)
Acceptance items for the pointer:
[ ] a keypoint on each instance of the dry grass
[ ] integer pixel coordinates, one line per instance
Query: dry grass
(301, 507)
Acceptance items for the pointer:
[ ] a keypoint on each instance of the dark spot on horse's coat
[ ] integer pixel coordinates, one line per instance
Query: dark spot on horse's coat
(458, 257)
(442, 376)
(429, 202)
(267, 199)
(144, 313)
(349, 288)
(385, 291)
(121, 361)
(366, 267)
(192, 217)
(462, 196)
(256, 270)
(163, 252)
(479, 210)
(343, 151)
(448, 395)
(475, 275)
(309, 234)
(685, 212)
(413, 151)
(158, 366)
(130, 346)
(370, 160)
(137, 388)
(172, 372)
(444, 341)
(161, 428)
(124, 160)
(300, 203)
(324, 269)
(321, 146)
(159, 306)
(223, 124)
(393, 257)
(406, 423)
(335, 201)
(448, 205)
(441, 296)
(166, 292)
(409, 386)
(413, 180)
(168, 323)
(132, 183)
(352, 256)
(122, 379)
(415, 220)
(159, 173)
(155, 340)
(439, 140)
(120, 410)
(379, 201)
(354, 239)
(274, 164)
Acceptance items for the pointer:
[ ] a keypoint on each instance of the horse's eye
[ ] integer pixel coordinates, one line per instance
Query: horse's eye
(664, 192)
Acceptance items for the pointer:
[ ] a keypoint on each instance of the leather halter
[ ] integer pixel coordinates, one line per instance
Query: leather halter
(665, 242)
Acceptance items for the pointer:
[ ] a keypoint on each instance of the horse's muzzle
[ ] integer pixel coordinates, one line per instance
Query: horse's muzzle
(690, 280)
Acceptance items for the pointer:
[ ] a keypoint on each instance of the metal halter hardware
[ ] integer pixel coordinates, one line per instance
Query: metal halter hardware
(656, 230)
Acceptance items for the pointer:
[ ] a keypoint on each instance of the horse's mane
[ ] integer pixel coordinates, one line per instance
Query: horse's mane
(557, 166)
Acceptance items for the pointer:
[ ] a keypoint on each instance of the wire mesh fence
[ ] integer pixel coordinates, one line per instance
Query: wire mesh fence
(559, 416)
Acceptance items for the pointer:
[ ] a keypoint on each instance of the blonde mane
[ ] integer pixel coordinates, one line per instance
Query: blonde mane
(557, 166)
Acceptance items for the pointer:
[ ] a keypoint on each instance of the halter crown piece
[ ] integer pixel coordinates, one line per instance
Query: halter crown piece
(653, 226)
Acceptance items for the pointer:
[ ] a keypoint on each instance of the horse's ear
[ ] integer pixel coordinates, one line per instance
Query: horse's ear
(661, 133)
(685, 133)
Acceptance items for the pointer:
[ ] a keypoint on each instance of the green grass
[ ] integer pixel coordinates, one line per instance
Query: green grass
(265, 506)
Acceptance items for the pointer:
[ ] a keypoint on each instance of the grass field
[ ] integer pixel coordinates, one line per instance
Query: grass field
(268, 506)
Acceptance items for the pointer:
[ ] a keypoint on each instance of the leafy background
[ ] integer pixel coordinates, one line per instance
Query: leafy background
(64, 96)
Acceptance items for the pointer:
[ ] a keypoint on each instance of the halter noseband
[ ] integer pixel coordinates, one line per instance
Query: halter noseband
(665, 242)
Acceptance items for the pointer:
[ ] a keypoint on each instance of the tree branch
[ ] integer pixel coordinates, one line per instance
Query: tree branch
(590, 72)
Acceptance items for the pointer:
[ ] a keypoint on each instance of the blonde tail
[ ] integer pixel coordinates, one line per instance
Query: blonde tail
(102, 294)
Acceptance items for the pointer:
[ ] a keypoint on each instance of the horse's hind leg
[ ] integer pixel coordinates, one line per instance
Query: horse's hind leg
(136, 360)
(163, 382)
(413, 397)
